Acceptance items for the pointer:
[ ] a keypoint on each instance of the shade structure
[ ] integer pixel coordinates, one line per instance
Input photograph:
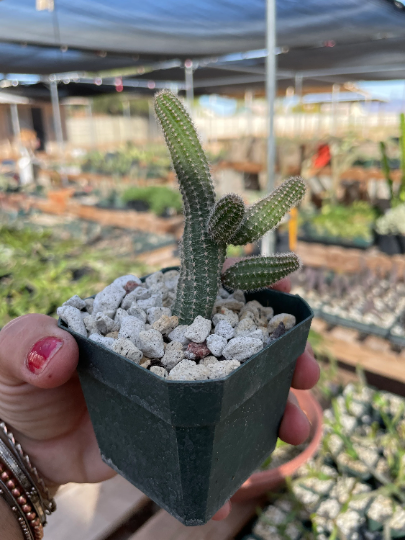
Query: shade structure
(99, 34)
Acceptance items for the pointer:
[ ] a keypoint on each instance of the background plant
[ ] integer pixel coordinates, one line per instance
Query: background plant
(210, 226)
(38, 271)
(399, 196)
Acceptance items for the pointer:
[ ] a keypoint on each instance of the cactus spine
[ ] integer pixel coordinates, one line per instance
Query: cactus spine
(210, 226)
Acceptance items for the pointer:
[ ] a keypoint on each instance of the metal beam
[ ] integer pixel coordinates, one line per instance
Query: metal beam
(268, 241)
(15, 121)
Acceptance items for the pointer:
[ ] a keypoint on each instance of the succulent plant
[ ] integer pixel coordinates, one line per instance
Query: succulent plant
(396, 198)
(210, 226)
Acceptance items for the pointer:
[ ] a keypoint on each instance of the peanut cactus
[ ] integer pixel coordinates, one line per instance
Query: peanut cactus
(210, 226)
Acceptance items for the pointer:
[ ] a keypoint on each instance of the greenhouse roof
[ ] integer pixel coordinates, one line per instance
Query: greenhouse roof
(101, 35)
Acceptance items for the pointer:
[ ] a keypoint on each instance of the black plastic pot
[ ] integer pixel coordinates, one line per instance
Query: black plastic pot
(190, 445)
(387, 243)
(401, 242)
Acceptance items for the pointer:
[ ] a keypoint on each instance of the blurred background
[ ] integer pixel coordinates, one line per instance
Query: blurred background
(275, 89)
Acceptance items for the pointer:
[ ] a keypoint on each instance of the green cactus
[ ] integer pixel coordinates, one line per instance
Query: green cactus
(209, 226)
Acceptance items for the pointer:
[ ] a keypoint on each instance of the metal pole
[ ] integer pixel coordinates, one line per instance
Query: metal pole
(268, 241)
(189, 81)
(93, 135)
(15, 121)
(298, 93)
(57, 123)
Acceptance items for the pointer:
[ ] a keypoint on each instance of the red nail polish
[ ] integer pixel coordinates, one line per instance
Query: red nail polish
(41, 352)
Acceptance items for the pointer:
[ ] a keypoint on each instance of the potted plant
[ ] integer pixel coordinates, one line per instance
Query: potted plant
(185, 412)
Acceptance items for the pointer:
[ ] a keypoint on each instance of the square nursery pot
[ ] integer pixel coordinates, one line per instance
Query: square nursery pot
(189, 445)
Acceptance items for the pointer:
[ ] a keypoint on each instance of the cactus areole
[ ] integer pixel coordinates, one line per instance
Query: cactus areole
(211, 225)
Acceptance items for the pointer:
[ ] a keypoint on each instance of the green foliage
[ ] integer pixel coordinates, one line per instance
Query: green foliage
(208, 226)
(399, 197)
(38, 272)
(140, 162)
(159, 198)
(339, 221)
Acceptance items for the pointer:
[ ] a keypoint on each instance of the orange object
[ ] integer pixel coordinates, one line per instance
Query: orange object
(293, 229)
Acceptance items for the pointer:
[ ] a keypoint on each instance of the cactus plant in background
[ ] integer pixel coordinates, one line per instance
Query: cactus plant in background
(210, 226)
(399, 197)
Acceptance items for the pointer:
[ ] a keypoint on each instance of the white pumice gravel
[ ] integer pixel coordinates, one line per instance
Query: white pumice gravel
(126, 348)
(216, 344)
(105, 324)
(109, 299)
(131, 328)
(288, 321)
(178, 334)
(221, 369)
(187, 370)
(166, 324)
(199, 330)
(161, 372)
(154, 313)
(89, 305)
(137, 312)
(134, 319)
(208, 360)
(242, 348)
(156, 300)
(174, 353)
(76, 302)
(121, 314)
(225, 329)
(101, 340)
(72, 317)
(123, 280)
(151, 343)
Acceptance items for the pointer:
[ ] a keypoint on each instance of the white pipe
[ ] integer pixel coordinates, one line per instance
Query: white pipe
(268, 241)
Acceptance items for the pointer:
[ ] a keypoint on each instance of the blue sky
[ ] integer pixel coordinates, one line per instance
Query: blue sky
(389, 90)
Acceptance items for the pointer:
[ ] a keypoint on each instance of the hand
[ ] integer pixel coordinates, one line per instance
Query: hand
(42, 401)
(295, 426)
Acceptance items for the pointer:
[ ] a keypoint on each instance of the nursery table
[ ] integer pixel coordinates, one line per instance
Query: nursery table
(100, 511)
(373, 354)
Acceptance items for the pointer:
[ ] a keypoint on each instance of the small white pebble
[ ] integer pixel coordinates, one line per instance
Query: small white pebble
(287, 319)
(199, 330)
(109, 299)
(105, 324)
(174, 353)
(89, 305)
(222, 368)
(130, 329)
(156, 300)
(208, 360)
(151, 343)
(101, 340)
(154, 313)
(154, 278)
(187, 370)
(123, 280)
(159, 371)
(76, 302)
(225, 329)
(216, 344)
(126, 348)
(241, 348)
(119, 315)
(178, 334)
(73, 318)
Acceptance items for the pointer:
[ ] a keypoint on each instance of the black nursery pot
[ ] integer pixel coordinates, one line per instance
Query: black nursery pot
(387, 243)
(189, 445)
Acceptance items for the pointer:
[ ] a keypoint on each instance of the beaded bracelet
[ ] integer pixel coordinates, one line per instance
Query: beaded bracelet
(22, 488)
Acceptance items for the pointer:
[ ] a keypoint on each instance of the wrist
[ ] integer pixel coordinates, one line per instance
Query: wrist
(9, 525)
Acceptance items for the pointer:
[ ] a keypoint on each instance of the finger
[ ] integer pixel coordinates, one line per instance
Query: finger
(307, 371)
(284, 285)
(295, 426)
(223, 512)
(34, 350)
